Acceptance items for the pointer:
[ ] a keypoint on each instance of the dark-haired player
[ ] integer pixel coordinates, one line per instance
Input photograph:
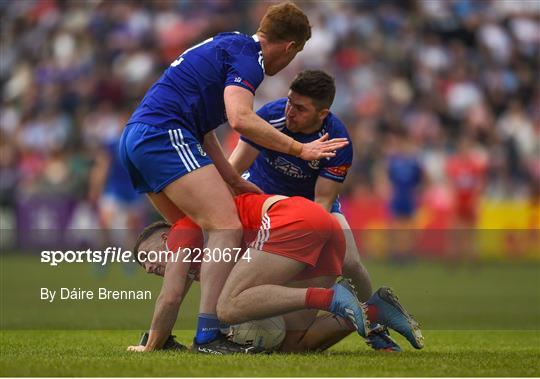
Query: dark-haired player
(305, 116)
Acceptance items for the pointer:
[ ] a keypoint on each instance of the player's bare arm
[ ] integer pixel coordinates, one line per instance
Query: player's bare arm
(226, 170)
(243, 156)
(242, 118)
(98, 175)
(167, 305)
(326, 192)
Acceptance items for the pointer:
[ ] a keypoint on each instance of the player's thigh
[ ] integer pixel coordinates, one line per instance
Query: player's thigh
(165, 206)
(203, 195)
(262, 268)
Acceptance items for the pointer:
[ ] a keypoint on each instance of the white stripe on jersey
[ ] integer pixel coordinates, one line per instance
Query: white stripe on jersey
(173, 142)
(278, 120)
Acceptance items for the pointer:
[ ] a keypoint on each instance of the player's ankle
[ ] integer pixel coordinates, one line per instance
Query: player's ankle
(319, 298)
(207, 328)
(372, 313)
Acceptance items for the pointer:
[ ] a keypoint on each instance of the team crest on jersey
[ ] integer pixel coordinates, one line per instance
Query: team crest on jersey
(201, 151)
(314, 164)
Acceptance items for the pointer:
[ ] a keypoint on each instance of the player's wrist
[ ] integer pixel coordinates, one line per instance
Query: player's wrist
(296, 148)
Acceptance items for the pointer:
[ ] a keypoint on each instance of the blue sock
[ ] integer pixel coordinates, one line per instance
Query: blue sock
(207, 328)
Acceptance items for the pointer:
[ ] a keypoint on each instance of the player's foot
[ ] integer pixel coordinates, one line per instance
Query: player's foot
(346, 304)
(379, 339)
(223, 346)
(170, 344)
(391, 313)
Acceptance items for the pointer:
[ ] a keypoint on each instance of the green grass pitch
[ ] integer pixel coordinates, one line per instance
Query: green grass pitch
(478, 321)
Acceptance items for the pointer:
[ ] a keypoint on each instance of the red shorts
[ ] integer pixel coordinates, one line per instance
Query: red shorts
(299, 229)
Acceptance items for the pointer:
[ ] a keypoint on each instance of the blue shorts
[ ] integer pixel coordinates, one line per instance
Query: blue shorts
(155, 157)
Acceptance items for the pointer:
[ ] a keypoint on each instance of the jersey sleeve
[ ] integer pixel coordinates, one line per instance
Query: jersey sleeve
(244, 68)
(336, 168)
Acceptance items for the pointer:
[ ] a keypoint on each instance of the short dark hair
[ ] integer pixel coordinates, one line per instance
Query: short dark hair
(317, 85)
(147, 233)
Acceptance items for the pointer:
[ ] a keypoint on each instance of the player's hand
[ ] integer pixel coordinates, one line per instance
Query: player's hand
(137, 348)
(243, 186)
(322, 148)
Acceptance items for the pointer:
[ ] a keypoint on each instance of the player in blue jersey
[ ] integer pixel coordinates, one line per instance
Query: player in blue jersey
(405, 174)
(305, 116)
(172, 154)
(121, 209)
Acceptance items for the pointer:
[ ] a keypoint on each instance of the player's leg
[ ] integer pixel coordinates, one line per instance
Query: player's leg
(204, 196)
(324, 331)
(165, 207)
(311, 329)
(253, 292)
(171, 165)
(352, 266)
(254, 289)
(378, 337)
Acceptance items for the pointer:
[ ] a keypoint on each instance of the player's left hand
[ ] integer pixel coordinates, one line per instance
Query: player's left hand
(137, 348)
(244, 186)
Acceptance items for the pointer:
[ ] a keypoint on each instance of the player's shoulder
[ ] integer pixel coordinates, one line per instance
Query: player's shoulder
(274, 112)
(335, 127)
(236, 43)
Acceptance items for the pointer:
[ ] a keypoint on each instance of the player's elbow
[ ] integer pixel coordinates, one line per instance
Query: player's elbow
(239, 121)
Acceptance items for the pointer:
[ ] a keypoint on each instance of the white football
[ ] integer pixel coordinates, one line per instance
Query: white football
(268, 333)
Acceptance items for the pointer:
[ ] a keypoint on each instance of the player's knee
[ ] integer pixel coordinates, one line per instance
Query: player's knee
(226, 311)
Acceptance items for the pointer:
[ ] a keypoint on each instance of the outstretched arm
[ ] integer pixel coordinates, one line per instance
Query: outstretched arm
(242, 118)
(174, 288)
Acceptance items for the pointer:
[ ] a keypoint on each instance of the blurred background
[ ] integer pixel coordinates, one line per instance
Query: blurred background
(441, 99)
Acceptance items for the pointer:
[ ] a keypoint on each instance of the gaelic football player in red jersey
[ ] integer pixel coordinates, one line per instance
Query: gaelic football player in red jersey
(466, 170)
(293, 242)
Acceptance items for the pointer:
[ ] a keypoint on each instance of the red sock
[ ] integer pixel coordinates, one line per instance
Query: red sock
(372, 313)
(319, 298)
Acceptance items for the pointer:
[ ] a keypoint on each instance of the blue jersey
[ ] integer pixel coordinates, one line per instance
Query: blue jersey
(405, 173)
(283, 174)
(189, 94)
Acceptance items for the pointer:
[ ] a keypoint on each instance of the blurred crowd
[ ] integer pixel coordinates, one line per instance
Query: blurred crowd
(437, 80)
